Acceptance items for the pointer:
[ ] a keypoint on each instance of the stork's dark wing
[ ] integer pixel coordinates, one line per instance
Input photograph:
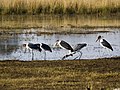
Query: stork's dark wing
(31, 45)
(79, 46)
(35, 46)
(38, 47)
(66, 45)
(106, 44)
(46, 47)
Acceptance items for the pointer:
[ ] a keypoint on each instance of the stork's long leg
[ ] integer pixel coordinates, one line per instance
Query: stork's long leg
(29, 50)
(32, 55)
(79, 55)
(75, 58)
(25, 50)
(44, 55)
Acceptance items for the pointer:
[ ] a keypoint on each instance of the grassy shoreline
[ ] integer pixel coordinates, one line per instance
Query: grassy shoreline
(34, 7)
(56, 22)
(69, 74)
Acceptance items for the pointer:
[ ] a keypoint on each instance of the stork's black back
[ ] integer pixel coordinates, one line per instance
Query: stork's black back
(79, 46)
(34, 46)
(46, 47)
(66, 45)
(106, 44)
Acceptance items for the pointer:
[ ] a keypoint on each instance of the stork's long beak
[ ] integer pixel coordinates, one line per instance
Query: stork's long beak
(97, 39)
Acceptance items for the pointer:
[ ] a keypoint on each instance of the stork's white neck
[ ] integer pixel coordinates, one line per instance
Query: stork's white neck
(60, 45)
(101, 40)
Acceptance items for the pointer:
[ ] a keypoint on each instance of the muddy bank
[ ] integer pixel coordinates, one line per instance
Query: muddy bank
(77, 74)
(57, 30)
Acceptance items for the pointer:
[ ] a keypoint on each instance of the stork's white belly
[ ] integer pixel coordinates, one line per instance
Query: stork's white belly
(101, 40)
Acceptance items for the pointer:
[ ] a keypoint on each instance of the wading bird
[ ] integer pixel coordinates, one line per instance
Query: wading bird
(45, 47)
(104, 43)
(31, 46)
(63, 45)
(39, 47)
(77, 48)
(67, 46)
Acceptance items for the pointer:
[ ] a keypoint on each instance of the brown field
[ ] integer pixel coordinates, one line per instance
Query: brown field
(101, 74)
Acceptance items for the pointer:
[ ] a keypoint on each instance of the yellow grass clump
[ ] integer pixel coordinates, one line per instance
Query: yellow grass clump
(59, 6)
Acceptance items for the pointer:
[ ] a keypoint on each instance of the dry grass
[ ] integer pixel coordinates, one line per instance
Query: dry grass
(66, 75)
(99, 7)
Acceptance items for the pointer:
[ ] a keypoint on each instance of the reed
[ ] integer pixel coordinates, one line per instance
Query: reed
(100, 7)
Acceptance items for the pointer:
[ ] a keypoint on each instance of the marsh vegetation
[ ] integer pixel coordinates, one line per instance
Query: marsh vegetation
(99, 7)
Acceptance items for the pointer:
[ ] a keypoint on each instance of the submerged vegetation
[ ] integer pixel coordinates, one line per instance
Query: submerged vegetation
(100, 7)
(102, 74)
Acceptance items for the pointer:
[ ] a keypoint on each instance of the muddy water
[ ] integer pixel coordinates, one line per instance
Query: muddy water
(11, 47)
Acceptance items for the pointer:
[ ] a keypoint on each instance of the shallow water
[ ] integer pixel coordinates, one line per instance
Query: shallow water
(11, 48)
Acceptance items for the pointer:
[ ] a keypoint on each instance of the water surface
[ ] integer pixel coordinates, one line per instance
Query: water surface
(11, 47)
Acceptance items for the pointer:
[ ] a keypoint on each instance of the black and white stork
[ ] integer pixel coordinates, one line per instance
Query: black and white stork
(64, 45)
(77, 48)
(45, 48)
(67, 46)
(31, 46)
(104, 43)
(39, 47)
